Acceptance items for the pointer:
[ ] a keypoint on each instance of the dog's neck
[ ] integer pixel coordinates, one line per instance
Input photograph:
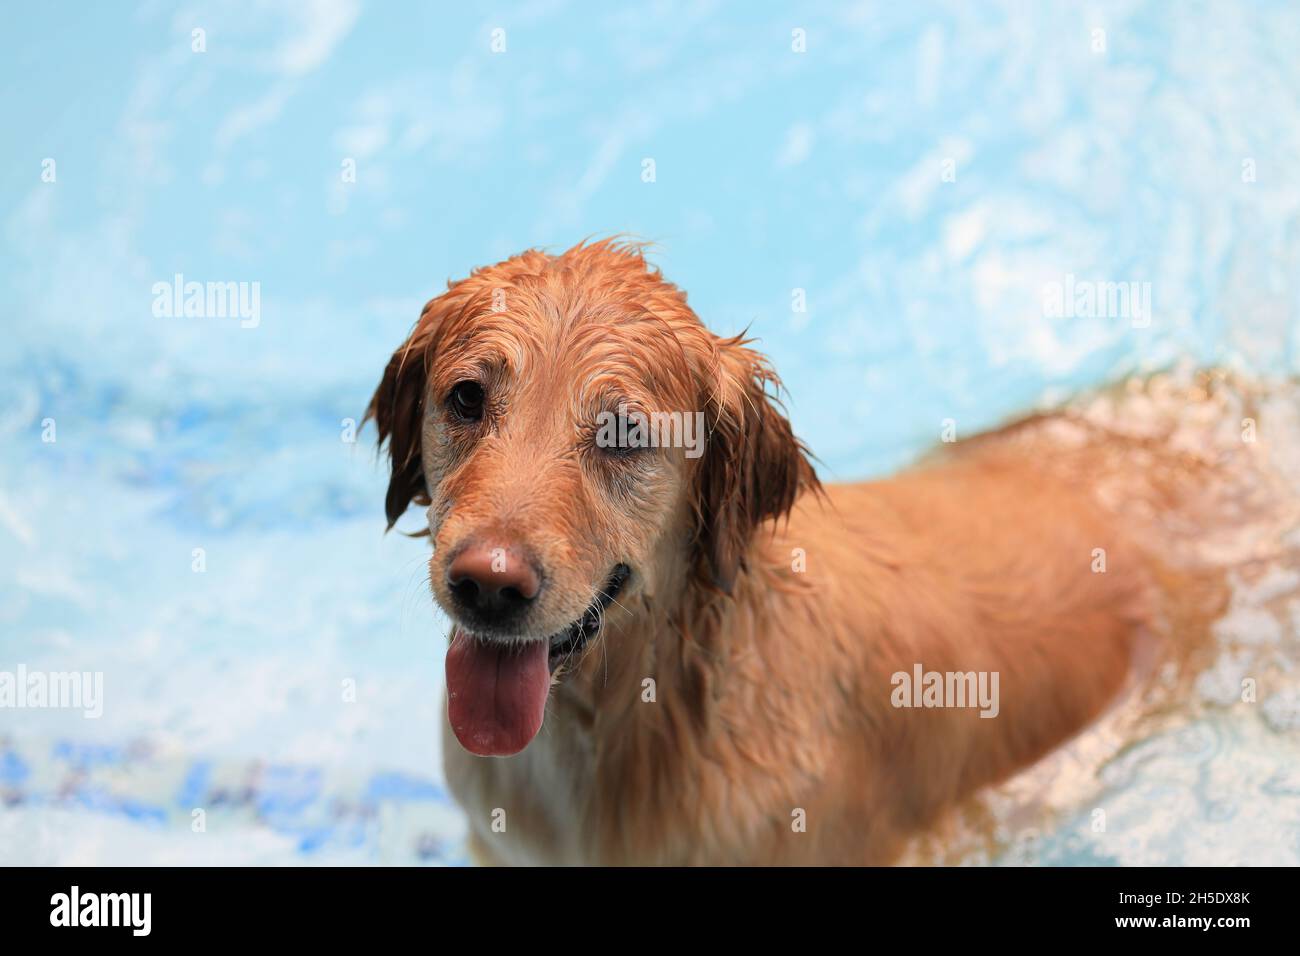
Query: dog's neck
(651, 705)
(666, 650)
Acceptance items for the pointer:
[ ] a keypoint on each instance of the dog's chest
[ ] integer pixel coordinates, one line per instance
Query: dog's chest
(534, 808)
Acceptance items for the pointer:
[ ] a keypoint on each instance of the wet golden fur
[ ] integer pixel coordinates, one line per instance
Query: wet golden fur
(771, 679)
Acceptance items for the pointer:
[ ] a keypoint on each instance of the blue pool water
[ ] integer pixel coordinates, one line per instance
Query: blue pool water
(921, 172)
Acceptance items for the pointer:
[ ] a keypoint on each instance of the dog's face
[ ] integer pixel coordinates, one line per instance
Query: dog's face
(578, 437)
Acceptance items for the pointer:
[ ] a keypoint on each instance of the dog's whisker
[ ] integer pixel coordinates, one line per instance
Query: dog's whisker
(416, 587)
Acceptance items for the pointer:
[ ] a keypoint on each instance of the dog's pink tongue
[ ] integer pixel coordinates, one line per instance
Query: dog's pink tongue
(496, 694)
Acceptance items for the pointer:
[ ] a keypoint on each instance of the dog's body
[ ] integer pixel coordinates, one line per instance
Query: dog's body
(739, 705)
(778, 712)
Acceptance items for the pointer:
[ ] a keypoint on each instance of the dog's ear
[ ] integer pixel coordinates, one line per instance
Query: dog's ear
(398, 410)
(753, 467)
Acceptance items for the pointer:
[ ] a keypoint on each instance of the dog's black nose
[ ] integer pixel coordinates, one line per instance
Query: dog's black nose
(495, 584)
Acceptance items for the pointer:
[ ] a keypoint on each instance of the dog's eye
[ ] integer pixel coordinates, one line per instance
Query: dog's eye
(620, 436)
(466, 401)
(626, 439)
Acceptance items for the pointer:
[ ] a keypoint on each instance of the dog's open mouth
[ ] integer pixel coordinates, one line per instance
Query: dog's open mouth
(497, 690)
(571, 641)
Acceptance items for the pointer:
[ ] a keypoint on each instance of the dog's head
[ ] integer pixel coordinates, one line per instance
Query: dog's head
(577, 436)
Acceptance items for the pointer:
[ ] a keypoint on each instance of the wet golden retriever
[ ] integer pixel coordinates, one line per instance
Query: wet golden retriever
(677, 653)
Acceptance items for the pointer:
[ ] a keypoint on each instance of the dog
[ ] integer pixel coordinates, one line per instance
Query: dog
(672, 655)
